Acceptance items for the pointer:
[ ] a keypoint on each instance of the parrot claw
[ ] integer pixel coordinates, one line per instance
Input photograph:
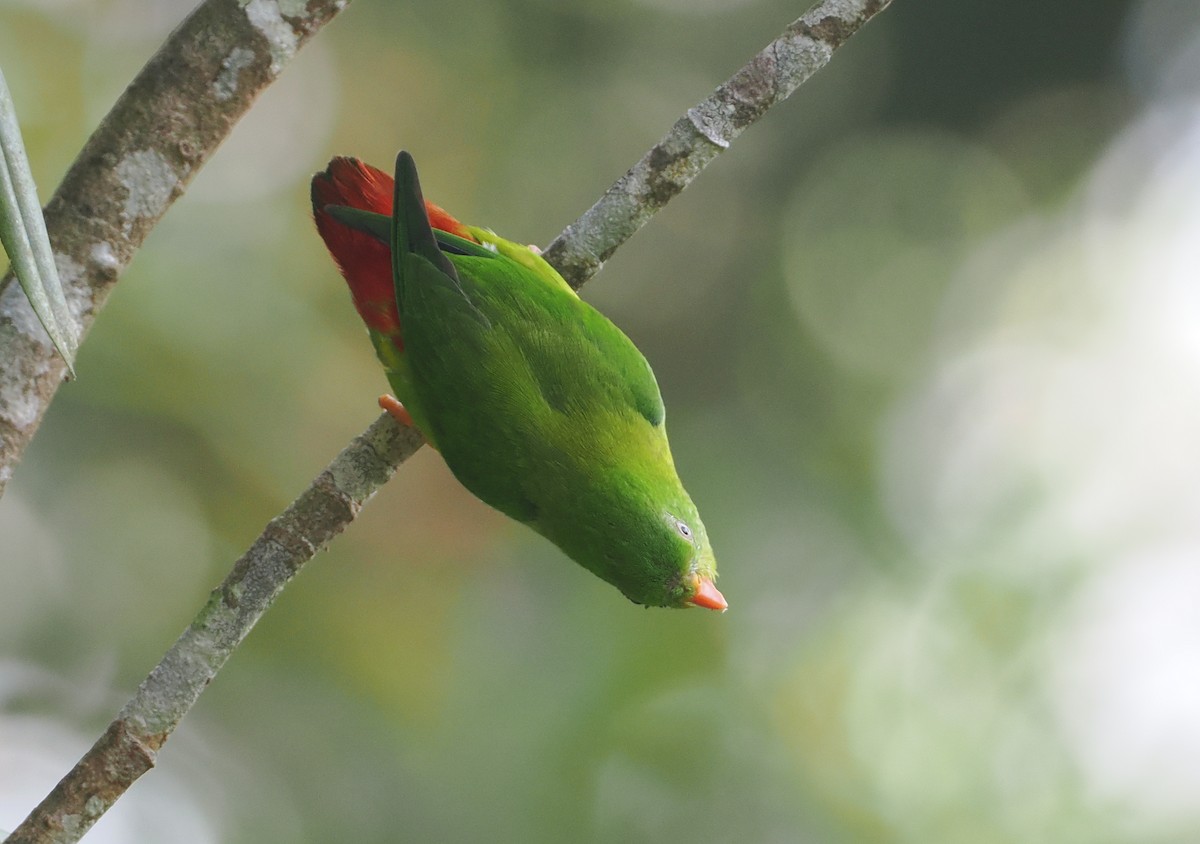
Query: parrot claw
(535, 249)
(396, 410)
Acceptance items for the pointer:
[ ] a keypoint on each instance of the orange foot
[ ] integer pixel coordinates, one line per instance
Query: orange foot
(393, 406)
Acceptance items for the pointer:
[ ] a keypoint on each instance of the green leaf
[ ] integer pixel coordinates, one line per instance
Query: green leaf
(23, 233)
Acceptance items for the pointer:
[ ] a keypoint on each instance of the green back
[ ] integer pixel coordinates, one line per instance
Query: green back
(540, 405)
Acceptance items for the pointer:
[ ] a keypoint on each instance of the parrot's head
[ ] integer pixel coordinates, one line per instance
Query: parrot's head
(649, 542)
(688, 567)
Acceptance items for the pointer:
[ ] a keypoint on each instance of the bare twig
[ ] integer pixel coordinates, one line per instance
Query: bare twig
(163, 128)
(705, 131)
(129, 746)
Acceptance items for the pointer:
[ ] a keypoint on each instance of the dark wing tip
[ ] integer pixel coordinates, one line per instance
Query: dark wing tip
(412, 229)
(368, 222)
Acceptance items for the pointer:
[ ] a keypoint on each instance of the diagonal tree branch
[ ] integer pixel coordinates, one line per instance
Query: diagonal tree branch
(134, 166)
(706, 130)
(129, 746)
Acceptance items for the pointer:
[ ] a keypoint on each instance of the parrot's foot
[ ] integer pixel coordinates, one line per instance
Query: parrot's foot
(397, 411)
(535, 249)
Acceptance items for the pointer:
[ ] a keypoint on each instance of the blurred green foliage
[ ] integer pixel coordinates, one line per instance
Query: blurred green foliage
(856, 316)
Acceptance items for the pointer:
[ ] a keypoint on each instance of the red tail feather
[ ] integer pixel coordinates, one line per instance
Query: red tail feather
(366, 263)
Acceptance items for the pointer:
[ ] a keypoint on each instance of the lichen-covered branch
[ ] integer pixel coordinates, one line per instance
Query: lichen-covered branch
(130, 744)
(705, 131)
(332, 501)
(138, 161)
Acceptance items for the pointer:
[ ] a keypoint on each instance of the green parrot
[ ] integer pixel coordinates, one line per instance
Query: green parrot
(540, 406)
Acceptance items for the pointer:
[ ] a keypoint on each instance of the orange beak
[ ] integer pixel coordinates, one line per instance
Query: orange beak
(708, 597)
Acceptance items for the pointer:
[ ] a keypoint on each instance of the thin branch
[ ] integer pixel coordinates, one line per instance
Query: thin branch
(134, 166)
(706, 130)
(130, 744)
(129, 747)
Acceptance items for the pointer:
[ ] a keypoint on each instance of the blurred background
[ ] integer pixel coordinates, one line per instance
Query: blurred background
(929, 336)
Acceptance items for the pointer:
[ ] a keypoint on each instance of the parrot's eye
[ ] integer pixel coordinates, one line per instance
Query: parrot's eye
(684, 530)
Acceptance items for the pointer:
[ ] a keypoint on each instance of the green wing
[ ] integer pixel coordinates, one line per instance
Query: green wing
(418, 263)
(379, 226)
(518, 383)
(516, 379)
